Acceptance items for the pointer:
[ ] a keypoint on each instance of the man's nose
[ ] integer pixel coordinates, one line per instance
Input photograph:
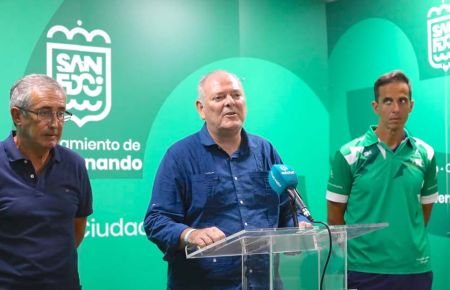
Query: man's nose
(395, 107)
(53, 120)
(229, 100)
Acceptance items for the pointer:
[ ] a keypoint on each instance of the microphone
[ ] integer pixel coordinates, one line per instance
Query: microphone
(283, 178)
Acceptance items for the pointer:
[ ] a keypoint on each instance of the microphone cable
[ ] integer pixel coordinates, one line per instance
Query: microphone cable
(330, 245)
(294, 212)
(330, 241)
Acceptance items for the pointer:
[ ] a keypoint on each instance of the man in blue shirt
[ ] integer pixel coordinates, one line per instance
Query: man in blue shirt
(213, 184)
(45, 193)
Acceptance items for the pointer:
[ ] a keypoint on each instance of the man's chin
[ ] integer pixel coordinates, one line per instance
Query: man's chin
(396, 127)
(232, 127)
(50, 144)
(230, 130)
(232, 124)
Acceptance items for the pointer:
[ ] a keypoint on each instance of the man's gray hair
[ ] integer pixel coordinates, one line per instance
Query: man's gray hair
(20, 93)
(201, 83)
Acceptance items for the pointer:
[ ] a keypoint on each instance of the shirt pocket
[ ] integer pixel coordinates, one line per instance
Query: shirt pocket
(213, 192)
(260, 197)
(202, 188)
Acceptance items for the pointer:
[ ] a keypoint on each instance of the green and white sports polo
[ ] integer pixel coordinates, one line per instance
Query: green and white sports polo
(380, 185)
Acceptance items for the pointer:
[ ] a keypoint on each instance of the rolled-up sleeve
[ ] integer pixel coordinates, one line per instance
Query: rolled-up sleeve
(163, 221)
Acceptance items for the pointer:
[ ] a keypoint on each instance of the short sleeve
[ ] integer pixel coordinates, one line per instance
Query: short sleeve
(85, 197)
(340, 180)
(430, 188)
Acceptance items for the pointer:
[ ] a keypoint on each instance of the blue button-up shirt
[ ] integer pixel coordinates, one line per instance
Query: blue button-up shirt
(37, 244)
(199, 185)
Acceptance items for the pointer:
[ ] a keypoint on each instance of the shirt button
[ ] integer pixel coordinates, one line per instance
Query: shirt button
(32, 175)
(241, 202)
(214, 260)
(235, 178)
(245, 224)
(250, 270)
(25, 161)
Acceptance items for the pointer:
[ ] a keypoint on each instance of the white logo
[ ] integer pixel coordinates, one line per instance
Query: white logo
(284, 167)
(285, 170)
(439, 37)
(417, 159)
(418, 162)
(83, 70)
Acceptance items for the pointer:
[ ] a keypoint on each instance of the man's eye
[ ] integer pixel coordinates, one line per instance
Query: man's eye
(218, 98)
(236, 96)
(387, 102)
(45, 113)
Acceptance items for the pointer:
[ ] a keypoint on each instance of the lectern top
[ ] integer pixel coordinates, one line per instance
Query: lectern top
(280, 240)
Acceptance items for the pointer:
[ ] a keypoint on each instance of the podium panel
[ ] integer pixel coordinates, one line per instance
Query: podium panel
(289, 258)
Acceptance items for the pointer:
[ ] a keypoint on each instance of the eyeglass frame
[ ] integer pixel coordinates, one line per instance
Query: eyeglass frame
(66, 115)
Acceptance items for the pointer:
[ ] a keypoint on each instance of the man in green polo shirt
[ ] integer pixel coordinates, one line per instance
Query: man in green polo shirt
(386, 175)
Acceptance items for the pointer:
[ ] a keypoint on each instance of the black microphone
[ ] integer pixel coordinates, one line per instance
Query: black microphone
(283, 178)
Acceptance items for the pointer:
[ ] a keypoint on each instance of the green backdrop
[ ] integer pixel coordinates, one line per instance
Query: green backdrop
(308, 67)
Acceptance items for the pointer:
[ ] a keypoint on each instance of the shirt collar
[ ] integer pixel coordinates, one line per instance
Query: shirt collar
(205, 137)
(246, 142)
(14, 154)
(371, 137)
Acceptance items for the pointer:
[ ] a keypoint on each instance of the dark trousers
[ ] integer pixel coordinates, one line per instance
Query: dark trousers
(369, 281)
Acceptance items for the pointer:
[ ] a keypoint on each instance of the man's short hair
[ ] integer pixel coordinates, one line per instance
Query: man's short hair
(200, 90)
(391, 77)
(20, 93)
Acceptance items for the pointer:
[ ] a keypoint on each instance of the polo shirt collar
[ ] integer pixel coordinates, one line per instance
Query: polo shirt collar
(14, 154)
(409, 138)
(371, 137)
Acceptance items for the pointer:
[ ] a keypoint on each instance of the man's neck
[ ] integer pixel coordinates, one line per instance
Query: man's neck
(228, 142)
(39, 158)
(392, 138)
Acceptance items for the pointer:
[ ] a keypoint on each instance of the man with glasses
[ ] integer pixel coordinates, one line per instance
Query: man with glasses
(45, 193)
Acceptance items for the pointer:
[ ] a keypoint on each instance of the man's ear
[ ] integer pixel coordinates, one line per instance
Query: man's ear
(16, 115)
(375, 107)
(200, 110)
(412, 105)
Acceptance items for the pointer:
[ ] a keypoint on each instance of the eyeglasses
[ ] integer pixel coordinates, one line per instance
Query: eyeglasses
(47, 115)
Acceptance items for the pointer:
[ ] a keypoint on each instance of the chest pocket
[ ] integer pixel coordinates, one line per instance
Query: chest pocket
(212, 192)
(260, 198)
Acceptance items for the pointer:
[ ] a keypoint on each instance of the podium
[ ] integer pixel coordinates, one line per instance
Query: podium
(289, 258)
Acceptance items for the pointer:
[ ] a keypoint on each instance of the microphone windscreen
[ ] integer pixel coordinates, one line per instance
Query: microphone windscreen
(282, 177)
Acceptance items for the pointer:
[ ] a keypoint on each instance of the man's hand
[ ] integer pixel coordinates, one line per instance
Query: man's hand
(203, 237)
(303, 225)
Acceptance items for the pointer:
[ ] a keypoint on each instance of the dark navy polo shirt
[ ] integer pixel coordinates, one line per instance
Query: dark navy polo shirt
(37, 212)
